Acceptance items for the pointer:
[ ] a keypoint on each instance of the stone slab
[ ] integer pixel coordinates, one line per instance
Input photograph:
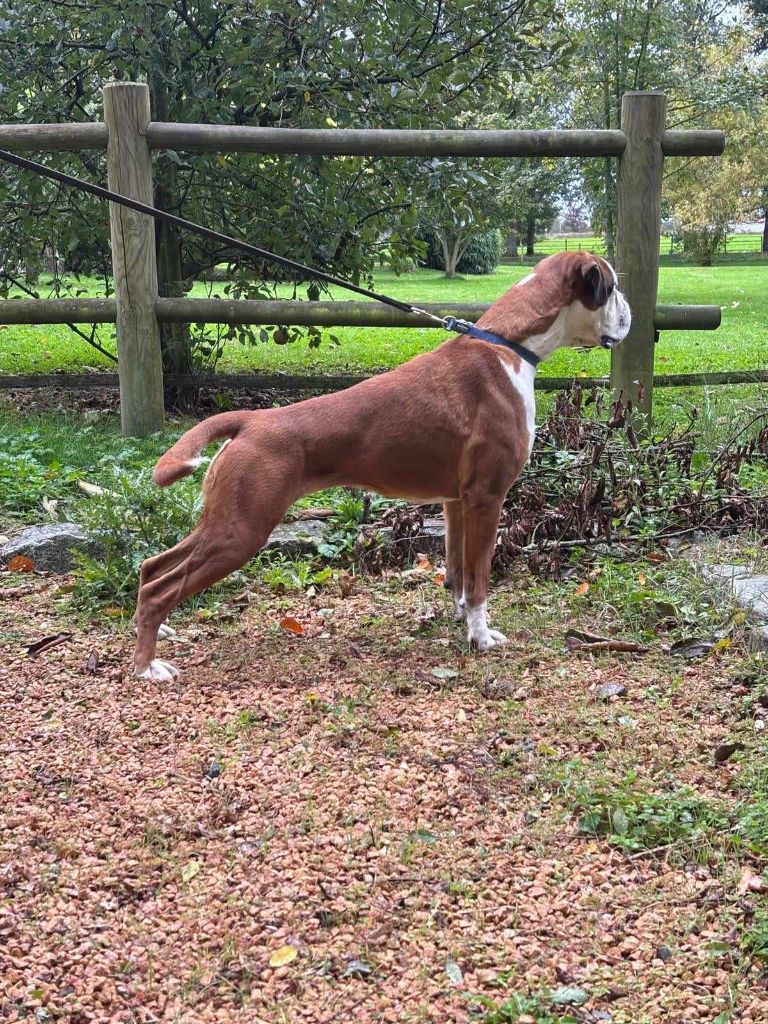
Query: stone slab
(51, 548)
(750, 591)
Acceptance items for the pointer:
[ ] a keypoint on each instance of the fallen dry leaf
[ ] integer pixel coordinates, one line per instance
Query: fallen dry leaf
(190, 869)
(750, 881)
(20, 563)
(292, 625)
(282, 956)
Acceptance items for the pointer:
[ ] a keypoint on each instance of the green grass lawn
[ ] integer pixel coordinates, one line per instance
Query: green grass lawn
(741, 288)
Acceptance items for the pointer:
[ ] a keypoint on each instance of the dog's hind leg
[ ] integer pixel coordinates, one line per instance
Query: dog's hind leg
(454, 557)
(231, 530)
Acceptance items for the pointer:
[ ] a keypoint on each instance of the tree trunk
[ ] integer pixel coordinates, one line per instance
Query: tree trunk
(452, 256)
(512, 243)
(530, 234)
(765, 223)
(175, 339)
(610, 239)
(447, 258)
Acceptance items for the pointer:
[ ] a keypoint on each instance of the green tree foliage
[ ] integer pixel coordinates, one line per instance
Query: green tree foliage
(685, 48)
(292, 63)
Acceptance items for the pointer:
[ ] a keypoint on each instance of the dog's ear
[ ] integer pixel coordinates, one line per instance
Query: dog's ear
(595, 283)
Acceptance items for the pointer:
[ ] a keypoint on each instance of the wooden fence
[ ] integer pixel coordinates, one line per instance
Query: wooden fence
(748, 245)
(129, 135)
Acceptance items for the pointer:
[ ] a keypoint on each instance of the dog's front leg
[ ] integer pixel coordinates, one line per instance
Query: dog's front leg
(454, 557)
(480, 515)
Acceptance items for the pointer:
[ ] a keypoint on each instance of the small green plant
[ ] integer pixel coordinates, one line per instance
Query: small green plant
(754, 940)
(644, 595)
(131, 520)
(516, 1006)
(679, 821)
(25, 480)
(351, 510)
(283, 575)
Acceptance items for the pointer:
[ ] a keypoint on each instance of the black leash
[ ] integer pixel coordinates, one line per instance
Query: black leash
(450, 323)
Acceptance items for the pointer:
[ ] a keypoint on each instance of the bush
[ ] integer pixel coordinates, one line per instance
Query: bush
(702, 243)
(482, 255)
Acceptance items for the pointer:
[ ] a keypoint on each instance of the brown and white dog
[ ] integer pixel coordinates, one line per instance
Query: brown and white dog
(455, 426)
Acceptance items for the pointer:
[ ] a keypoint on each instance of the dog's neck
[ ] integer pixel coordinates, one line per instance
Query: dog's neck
(556, 335)
(536, 313)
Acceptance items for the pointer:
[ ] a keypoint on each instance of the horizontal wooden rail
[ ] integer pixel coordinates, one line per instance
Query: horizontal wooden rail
(31, 138)
(306, 314)
(693, 142)
(418, 142)
(291, 383)
(57, 311)
(383, 141)
(687, 318)
(27, 138)
(296, 314)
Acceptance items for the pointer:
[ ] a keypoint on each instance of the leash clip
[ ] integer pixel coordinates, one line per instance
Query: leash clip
(453, 323)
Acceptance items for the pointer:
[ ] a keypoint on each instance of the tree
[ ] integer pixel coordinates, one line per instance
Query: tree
(574, 218)
(707, 195)
(461, 203)
(685, 48)
(292, 63)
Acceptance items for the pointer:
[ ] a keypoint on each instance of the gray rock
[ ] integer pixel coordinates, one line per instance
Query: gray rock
(51, 547)
(295, 539)
(608, 690)
(750, 591)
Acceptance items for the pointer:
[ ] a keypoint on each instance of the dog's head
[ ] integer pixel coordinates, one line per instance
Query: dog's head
(597, 312)
(569, 299)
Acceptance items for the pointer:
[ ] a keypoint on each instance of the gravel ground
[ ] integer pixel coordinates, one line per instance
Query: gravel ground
(326, 798)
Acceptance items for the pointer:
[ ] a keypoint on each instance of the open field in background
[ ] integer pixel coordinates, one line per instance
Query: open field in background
(741, 343)
(735, 244)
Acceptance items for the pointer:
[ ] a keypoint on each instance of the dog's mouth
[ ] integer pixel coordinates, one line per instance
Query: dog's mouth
(608, 341)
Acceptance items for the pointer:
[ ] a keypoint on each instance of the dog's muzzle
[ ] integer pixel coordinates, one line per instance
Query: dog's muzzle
(607, 341)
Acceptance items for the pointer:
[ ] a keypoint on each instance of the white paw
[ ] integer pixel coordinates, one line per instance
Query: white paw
(487, 640)
(159, 672)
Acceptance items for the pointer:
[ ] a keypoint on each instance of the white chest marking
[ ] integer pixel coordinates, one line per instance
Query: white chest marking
(522, 382)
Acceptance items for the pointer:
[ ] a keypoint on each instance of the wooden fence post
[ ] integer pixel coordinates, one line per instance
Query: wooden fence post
(134, 268)
(637, 243)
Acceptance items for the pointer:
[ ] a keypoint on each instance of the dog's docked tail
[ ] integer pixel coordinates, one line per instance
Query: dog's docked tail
(184, 457)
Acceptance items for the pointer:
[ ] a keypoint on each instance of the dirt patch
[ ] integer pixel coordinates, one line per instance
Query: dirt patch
(367, 793)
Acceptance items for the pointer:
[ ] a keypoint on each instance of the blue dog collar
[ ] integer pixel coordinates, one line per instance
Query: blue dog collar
(465, 327)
